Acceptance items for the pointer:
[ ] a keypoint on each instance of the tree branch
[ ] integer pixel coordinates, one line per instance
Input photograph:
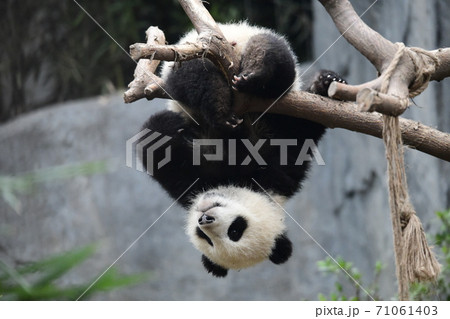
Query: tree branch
(210, 35)
(212, 44)
(146, 83)
(370, 43)
(346, 115)
(380, 52)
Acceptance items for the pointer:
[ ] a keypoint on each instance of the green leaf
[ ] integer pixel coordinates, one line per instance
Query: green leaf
(111, 279)
(12, 201)
(11, 273)
(378, 267)
(57, 266)
(322, 297)
(42, 284)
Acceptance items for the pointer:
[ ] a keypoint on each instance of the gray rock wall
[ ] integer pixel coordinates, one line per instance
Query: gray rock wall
(343, 206)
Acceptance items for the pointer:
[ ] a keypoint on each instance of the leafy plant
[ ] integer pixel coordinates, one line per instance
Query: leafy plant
(39, 280)
(352, 278)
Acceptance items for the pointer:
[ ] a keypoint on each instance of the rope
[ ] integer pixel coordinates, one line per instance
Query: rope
(425, 64)
(414, 259)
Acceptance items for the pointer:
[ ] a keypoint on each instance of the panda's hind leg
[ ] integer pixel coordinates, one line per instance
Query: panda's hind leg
(267, 67)
(166, 123)
(200, 86)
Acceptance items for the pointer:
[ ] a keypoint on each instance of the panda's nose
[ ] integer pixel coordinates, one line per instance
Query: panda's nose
(206, 219)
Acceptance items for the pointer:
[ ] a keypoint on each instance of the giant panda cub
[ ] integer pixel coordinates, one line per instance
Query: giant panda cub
(235, 216)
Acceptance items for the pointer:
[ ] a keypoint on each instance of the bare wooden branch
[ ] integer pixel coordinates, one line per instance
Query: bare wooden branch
(380, 52)
(301, 104)
(369, 100)
(346, 92)
(346, 115)
(156, 90)
(357, 33)
(200, 17)
(182, 52)
(443, 69)
(211, 43)
(144, 77)
(222, 53)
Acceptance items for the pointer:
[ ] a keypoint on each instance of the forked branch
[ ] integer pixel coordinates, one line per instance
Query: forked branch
(146, 83)
(415, 68)
(212, 44)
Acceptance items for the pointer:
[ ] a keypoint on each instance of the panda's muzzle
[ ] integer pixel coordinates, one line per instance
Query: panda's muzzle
(206, 219)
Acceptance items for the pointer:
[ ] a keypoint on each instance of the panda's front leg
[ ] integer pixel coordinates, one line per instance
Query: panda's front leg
(321, 82)
(319, 85)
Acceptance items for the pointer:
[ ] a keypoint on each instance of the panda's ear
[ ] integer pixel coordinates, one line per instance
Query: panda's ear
(214, 269)
(282, 250)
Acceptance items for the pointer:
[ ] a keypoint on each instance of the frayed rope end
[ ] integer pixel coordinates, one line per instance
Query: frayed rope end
(419, 259)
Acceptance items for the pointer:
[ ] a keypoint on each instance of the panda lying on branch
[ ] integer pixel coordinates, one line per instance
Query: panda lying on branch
(235, 215)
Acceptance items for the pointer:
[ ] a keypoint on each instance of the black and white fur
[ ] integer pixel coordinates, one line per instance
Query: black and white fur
(232, 220)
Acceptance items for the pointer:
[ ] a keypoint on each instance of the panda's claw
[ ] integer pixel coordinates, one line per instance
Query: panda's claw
(241, 81)
(323, 80)
(234, 121)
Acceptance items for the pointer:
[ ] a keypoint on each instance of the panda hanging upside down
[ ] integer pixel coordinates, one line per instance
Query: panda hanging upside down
(235, 217)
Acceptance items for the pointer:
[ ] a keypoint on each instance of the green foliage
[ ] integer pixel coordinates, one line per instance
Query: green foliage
(344, 270)
(348, 276)
(40, 280)
(11, 187)
(439, 290)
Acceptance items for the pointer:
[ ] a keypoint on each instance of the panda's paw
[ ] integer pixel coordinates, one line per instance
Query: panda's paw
(233, 121)
(323, 80)
(242, 81)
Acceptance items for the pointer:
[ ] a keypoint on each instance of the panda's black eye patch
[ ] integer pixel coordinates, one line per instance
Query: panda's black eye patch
(202, 235)
(237, 228)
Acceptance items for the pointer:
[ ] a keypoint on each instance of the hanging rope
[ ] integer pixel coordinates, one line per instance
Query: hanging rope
(414, 259)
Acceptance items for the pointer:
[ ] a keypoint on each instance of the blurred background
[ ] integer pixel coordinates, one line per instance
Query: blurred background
(70, 208)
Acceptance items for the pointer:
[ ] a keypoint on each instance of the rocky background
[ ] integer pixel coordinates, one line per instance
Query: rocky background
(342, 209)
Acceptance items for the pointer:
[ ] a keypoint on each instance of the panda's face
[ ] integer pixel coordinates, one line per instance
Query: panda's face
(236, 228)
